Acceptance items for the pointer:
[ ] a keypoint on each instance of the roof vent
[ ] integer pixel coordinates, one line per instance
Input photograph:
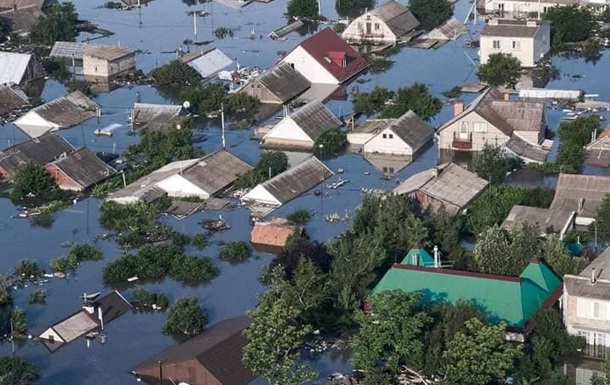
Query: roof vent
(593, 277)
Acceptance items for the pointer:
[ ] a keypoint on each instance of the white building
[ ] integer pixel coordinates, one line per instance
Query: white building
(388, 23)
(524, 8)
(529, 41)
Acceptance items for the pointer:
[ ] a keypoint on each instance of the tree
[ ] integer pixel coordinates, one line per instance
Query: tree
(19, 324)
(492, 164)
(330, 142)
(445, 232)
(573, 136)
(501, 69)
(602, 219)
(416, 98)
(370, 102)
(353, 8)
(555, 254)
(299, 217)
(236, 252)
(31, 179)
(569, 24)
(479, 354)
(301, 249)
(58, 25)
(176, 74)
(391, 332)
(17, 371)
(269, 165)
(303, 8)
(431, 13)
(185, 318)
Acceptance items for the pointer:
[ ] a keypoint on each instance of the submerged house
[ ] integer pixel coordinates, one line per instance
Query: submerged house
(201, 178)
(512, 300)
(19, 69)
(41, 151)
(12, 99)
(449, 186)
(274, 233)
(155, 117)
(207, 62)
(107, 62)
(78, 170)
(23, 14)
(301, 129)
(278, 85)
(70, 51)
(389, 23)
(65, 112)
(213, 357)
(326, 58)
(449, 30)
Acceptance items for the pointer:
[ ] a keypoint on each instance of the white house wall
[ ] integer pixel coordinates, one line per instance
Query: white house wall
(390, 145)
(288, 133)
(357, 30)
(51, 335)
(260, 195)
(358, 138)
(309, 67)
(518, 8)
(177, 186)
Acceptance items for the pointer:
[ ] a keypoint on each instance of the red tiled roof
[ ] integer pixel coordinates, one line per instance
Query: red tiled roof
(329, 49)
(272, 234)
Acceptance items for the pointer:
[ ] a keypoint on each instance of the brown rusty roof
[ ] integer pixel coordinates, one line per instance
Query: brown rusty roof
(109, 53)
(11, 99)
(84, 167)
(273, 233)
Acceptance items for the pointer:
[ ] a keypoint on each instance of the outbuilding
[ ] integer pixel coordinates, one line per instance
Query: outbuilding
(78, 170)
(41, 151)
(107, 62)
(278, 85)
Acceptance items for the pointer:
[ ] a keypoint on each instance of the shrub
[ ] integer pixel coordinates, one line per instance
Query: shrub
(143, 299)
(331, 142)
(236, 252)
(77, 255)
(299, 217)
(39, 296)
(200, 241)
(185, 318)
(28, 271)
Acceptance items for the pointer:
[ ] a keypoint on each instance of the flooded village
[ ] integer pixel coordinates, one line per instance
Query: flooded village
(302, 191)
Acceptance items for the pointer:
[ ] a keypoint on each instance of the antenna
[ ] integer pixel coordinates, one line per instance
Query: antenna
(222, 122)
(101, 318)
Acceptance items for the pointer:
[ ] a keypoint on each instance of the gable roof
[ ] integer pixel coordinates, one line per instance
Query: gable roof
(274, 233)
(513, 300)
(147, 116)
(13, 67)
(526, 150)
(397, 17)
(580, 285)
(548, 221)
(219, 349)
(315, 118)
(571, 189)
(598, 151)
(283, 81)
(216, 171)
(412, 129)
(418, 257)
(84, 167)
(41, 150)
(207, 62)
(11, 99)
(326, 43)
(449, 30)
(69, 49)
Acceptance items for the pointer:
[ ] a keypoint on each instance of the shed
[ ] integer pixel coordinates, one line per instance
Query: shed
(277, 85)
(529, 152)
(19, 68)
(548, 221)
(65, 112)
(11, 99)
(207, 62)
(69, 50)
(41, 151)
(108, 61)
(78, 170)
(273, 233)
(581, 193)
(213, 357)
(407, 135)
(302, 128)
(146, 116)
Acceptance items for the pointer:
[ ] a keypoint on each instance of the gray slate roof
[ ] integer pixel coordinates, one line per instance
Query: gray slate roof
(11, 99)
(84, 167)
(580, 285)
(572, 188)
(397, 17)
(107, 52)
(41, 150)
(216, 171)
(315, 118)
(155, 116)
(547, 220)
(67, 111)
(413, 130)
(297, 180)
(511, 28)
(526, 150)
(284, 82)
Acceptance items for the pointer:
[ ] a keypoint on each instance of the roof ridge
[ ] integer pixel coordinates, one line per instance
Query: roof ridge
(463, 273)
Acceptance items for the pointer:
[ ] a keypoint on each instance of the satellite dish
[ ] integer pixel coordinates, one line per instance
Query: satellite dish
(186, 105)
(183, 383)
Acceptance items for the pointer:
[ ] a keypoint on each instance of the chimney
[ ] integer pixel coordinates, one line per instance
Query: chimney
(437, 259)
(458, 107)
(414, 259)
(593, 136)
(506, 96)
(593, 277)
(581, 203)
(436, 171)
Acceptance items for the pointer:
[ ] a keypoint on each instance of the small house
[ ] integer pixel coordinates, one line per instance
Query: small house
(449, 30)
(78, 170)
(529, 41)
(213, 357)
(65, 112)
(41, 151)
(23, 14)
(547, 221)
(12, 99)
(19, 69)
(597, 153)
(301, 129)
(207, 62)
(326, 58)
(449, 186)
(201, 178)
(70, 51)
(389, 23)
(274, 233)
(581, 194)
(107, 62)
(278, 85)
(586, 305)
(156, 117)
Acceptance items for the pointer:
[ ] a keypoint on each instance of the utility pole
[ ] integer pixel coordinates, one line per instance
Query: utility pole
(222, 124)
(194, 14)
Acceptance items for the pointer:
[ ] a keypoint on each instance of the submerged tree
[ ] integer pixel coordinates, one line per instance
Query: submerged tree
(353, 8)
(59, 24)
(431, 13)
(303, 8)
(17, 371)
(501, 69)
(331, 142)
(31, 179)
(185, 318)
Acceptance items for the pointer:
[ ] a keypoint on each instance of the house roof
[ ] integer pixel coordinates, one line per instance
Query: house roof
(216, 171)
(449, 30)
(327, 43)
(207, 62)
(448, 183)
(314, 119)
(598, 151)
(513, 300)
(547, 220)
(155, 116)
(526, 150)
(24, 18)
(219, 349)
(66, 49)
(512, 28)
(284, 82)
(591, 189)
(274, 233)
(418, 257)
(580, 285)
(412, 129)
(107, 52)
(84, 167)
(40, 150)
(13, 67)
(11, 99)
(397, 17)
(294, 181)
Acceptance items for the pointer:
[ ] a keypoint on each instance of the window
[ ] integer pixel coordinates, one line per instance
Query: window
(384, 136)
(391, 136)
(516, 45)
(385, 170)
(480, 127)
(376, 26)
(391, 170)
(496, 44)
(586, 308)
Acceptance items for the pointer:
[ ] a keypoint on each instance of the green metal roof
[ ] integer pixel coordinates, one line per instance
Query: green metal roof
(513, 300)
(418, 257)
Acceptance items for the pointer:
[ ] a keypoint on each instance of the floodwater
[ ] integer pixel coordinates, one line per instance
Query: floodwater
(161, 27)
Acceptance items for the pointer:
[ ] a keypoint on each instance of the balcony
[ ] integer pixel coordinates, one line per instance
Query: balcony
(461, 143)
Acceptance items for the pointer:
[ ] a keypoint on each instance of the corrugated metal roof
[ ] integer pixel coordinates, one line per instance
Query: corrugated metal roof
(397, 17)
(449, 30)
(548, 221)
(207, 63)
(155, 116)
(315, 118)
(65, 49)
(283, 81)
(526, 150)
(13, 67)
(216, 171)
(84, 167)
(107, 52)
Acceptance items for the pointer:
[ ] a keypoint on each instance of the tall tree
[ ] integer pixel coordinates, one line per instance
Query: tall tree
(391, 332)
(501, 69)
(17, 371)
(431, 13)
(569, 24)
(58, 25)
(353, 8)
(185, 318)
(31, 179)
(492, 164)
(491, 251)
(479, 354)
(416, 98)
(445, 232)
(602, 219)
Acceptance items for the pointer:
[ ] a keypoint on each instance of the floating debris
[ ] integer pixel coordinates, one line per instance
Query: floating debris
(215, 224)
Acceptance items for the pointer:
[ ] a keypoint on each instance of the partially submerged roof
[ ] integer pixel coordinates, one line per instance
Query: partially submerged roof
(41, 150)
(449, 30)
(580, 193)
(512, 28)
(75, 326)
(155, 116)
(412, 129)
(315, 118)
(548, 221)
(397, 17)
(513, 300)
(207, 62)
(107, 52)
(327, 43)
(273, 233)
(13, 67)
(526, 150)
(218, 349)
(84, 167)
(68, 50)
(216, 171)
(23, 14)
(12, 99)
(593, 281)
(284, 82)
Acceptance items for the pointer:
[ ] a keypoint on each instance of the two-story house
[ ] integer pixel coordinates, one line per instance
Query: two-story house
(521, 8)
(586, 305)
(529, 41)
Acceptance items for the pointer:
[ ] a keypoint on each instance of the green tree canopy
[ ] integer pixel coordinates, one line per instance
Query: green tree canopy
(185, 318)
(501, 69)
(269, 165)
(431, 13)
(602, 219)
(303, 8)
(17, 371)
(492, 163)
(416, 98)
(353, 8)
(569, 24)
(479, 354)
(58, 25)
(31, 179)
(331, 142)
